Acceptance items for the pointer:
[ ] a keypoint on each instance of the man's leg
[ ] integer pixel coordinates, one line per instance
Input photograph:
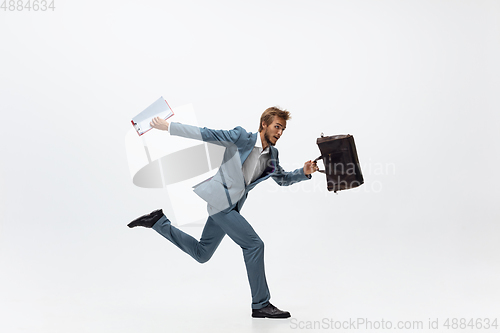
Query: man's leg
(242, 233)
(201, 250)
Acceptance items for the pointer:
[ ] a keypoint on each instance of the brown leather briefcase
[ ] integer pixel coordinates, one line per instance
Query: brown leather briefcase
(340, 158)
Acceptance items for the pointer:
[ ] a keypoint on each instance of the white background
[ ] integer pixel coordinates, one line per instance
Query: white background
(416, 82)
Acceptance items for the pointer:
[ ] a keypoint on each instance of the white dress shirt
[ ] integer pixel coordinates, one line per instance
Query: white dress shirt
(256, 162)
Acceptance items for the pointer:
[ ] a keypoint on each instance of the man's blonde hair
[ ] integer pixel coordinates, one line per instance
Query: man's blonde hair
(268, 116)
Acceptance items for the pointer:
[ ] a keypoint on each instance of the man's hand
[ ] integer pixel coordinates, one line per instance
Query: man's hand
(159, 123)
(310, 167)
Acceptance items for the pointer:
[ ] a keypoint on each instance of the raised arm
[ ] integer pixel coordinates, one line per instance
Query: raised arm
(219, 137)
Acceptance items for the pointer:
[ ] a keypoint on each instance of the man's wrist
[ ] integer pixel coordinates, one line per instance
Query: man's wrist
(308, 175)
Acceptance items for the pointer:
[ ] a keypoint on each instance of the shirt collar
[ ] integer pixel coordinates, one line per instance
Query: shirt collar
(259, 145)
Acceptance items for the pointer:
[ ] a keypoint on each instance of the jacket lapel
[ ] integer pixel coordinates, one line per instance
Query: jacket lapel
(272, 163)
(269, 170)
(249, 147)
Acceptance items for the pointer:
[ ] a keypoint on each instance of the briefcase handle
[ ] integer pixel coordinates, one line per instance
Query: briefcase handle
(320, 158)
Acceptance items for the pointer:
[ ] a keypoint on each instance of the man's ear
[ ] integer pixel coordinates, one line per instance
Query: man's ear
(264, 125)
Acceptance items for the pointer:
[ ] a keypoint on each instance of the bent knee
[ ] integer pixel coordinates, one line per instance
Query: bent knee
(258, 244)
(203, 258)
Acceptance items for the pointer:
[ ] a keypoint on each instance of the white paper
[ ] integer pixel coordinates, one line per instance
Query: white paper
(159, 108)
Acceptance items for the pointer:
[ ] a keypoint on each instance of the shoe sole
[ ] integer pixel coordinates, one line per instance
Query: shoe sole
(271, 317)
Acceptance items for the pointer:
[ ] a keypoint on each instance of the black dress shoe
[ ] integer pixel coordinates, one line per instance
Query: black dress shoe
(270, 311)
(147, 220)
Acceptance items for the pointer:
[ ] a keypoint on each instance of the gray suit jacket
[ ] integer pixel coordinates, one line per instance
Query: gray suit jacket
(227, 188)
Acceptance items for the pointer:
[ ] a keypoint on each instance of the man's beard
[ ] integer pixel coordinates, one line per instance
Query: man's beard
(267, 139)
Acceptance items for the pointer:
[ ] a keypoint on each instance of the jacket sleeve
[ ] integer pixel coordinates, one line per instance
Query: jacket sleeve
(284, 178)
(219, 137)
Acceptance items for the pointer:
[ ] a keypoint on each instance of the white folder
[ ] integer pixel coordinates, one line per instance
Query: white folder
(159, 108)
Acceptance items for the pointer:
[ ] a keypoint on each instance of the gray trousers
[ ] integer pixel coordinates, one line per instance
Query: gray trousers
(240, 231)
